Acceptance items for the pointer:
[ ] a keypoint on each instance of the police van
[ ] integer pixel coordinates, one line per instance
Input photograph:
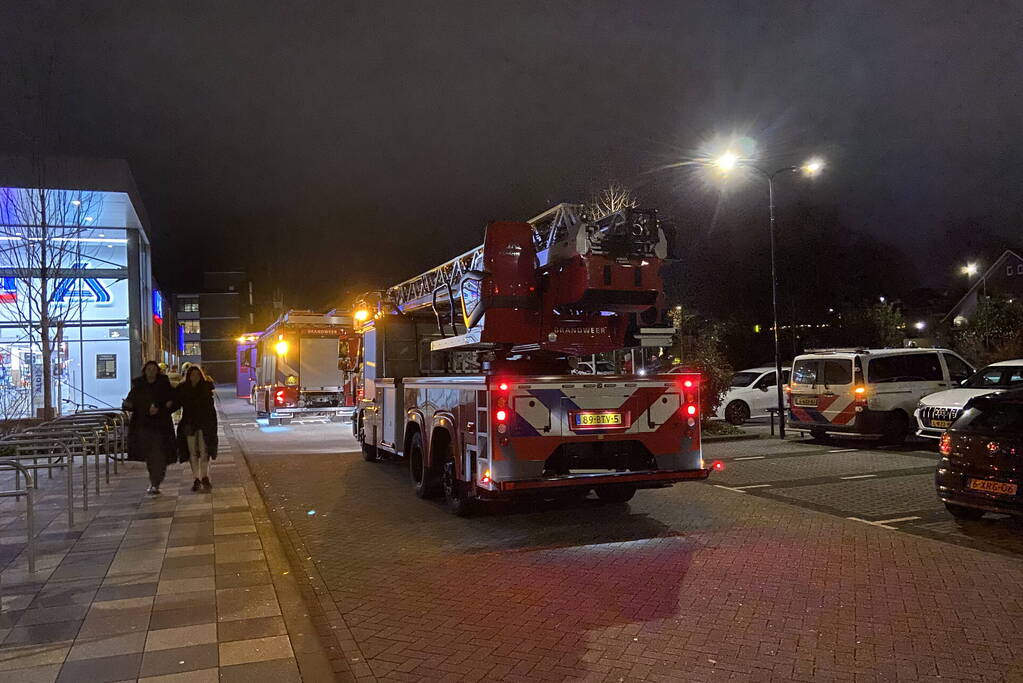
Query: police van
(865, 392)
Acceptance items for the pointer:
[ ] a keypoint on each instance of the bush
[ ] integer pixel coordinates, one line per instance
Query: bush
(993, 333)
(701, 351)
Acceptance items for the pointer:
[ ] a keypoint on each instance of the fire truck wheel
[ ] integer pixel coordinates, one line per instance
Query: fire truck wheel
(369, 453)
(621, 493)
(424, 480)
(455, 497)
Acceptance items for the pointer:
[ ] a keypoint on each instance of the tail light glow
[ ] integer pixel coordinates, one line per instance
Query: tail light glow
(501, 415)
(503, 386)
(717, 465)
(945, 445)
(691, 410)
(485, 478)
(688, 384)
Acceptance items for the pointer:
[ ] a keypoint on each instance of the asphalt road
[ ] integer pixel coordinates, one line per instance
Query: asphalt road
(798, 561)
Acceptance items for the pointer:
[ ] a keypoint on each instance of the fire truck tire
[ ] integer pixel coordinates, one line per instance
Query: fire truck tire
(369, 453)
(737, 412)
(457, 500)
(818, 435)
(424, 480)
(620, 493)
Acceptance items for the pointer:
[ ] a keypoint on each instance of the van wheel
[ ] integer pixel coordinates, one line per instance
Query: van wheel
(424, 481)
(456, 497)
(818, 435)
(963, 512)
(896, 429)
(620, 493)
(737, 412)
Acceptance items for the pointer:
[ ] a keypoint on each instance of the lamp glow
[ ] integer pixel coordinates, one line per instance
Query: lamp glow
(727, 161)
(970, 269)
(281, 347)
(812, 166)
(361, 315)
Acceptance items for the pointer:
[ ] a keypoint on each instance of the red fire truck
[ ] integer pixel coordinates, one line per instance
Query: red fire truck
(466, 369)
(299, 367)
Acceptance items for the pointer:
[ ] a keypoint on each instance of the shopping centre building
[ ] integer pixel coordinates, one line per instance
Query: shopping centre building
(86, 232)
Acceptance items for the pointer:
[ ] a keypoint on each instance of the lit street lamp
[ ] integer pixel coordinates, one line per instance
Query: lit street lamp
(728, 162)
(971, 269)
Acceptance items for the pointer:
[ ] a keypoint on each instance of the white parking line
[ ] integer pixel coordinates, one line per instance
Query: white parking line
(726, 488)
(883, 523)
(844, 450)
(752, 457)
(859, 476)
(752, 486)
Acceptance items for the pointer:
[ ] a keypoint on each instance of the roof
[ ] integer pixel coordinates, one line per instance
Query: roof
(764, 368)
(1015, 361)
(980, 281)
(866, 352)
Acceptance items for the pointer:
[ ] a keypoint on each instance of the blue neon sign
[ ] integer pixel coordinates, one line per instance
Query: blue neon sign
(157, 306)
(83, 290)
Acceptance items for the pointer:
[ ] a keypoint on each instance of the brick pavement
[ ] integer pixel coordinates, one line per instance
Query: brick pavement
(690, 583)
(180, 587)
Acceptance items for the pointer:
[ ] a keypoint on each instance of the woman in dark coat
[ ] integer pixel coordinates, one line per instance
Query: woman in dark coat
(151, 433)
(197, 430)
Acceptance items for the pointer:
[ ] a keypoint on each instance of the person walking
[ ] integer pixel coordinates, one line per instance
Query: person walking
(197, 430)
(151, 432)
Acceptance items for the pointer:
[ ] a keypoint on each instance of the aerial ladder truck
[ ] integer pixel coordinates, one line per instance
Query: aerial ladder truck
(465, 370)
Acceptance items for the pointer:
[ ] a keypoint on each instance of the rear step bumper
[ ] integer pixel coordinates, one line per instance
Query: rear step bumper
(653, 478)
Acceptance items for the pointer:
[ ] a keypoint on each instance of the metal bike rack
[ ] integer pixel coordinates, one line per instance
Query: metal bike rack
(36, 447)
(17, 493)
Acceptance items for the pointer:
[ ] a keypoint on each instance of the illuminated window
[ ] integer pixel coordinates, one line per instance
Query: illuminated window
(190, 306)
(192, 349)
(191, 326)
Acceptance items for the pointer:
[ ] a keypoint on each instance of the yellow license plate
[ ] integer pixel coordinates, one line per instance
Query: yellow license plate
(807, 401)
(941, 423)
(993, 487)
(597, 419)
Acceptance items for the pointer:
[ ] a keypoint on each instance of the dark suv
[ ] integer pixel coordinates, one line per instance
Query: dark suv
(981, 467)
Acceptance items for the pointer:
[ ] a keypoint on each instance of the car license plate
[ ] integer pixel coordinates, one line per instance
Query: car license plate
(993, 487)
(598, 419)
(808, 401)
(944, 424)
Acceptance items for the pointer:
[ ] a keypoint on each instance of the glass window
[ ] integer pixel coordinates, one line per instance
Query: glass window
(1013, 377)
(805, 372)
(190, 306)
(988, 377)
(744, 379)
(993, 416)
(191, 326)
(922, 367)
(1008, 270)
(192, 349)
(837, 372)
(957, 369)
(766, 381)
(106, 366)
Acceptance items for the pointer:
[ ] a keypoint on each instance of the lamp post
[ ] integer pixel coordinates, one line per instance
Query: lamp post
(727, 162)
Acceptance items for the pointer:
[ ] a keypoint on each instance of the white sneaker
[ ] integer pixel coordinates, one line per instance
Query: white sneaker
(153, 490)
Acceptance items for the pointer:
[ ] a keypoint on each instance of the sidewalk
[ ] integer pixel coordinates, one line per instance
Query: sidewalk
(182, 587)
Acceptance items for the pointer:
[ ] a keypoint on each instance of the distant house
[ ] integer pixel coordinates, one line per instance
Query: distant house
(1004, 279)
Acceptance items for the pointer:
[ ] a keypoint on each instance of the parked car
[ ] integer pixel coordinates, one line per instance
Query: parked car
(750, 394)
(866, 392)
(937, 412)
(603, 367)
(981, 466)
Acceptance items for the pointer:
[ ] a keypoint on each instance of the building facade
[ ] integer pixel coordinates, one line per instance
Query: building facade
(77, 254)
(225, 313)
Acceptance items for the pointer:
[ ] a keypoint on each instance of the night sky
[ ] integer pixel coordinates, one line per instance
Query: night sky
(331, 146)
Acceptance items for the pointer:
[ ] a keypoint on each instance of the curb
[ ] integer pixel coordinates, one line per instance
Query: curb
(729, 437)
(311, 656)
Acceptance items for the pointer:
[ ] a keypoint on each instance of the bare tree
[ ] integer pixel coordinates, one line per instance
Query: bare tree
(614, 197)
(42, 231)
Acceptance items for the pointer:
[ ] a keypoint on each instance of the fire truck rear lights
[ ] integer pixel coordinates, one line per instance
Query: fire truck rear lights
(501, 415)
(688, 384)
(281, 347)
(503, 386)
(690, 409)
(485, 479)
(717, 465)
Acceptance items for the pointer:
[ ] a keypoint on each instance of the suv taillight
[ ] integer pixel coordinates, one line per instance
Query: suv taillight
(945, 445)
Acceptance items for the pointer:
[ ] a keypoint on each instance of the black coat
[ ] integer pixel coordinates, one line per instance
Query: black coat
(197, 412)
(150, 435)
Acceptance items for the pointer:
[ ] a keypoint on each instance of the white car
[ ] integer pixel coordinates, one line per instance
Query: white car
(751, 393)
(936, 412)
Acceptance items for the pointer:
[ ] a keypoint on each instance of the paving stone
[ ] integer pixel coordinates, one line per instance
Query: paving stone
(247, 603)
(102, 669)
(255, 650)
(198, 676)
(187, 616)
(183, 636)
(277, 670)
(41, 633)
(177, 660)
(37, 674)
(242, 629)
(107, 646)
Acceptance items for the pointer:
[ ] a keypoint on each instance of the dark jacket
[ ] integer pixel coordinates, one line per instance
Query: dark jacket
(150, 434)
(197, 413)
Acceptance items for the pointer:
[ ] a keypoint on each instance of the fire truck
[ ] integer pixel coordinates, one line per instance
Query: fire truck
(300, 360)
(466, 369)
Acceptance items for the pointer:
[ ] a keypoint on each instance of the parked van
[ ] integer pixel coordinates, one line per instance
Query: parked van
(868, 392)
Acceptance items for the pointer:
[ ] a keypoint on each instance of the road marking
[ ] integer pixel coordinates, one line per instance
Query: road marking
(883, 523)
(727, 488)
(897, 519)
(752, 457)
(752, 486)
(859, 476)
(844, 450)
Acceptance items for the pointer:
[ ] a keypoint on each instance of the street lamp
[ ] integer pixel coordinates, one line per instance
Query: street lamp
(728, 162)
(971, 269)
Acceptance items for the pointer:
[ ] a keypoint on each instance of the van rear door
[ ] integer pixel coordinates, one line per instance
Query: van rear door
(837, 398)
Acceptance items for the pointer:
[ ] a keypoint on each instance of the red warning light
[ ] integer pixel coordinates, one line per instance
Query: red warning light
(717, 465)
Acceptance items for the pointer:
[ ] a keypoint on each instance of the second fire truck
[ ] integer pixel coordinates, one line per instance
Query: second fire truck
(466, 369)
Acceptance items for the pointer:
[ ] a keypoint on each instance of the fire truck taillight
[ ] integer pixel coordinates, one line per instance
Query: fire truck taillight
(688, 384)
(279, 397)
(501, 415)
(945, 445)
(691, 410)
(503, 386)
(485, 478)
(717, 465)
